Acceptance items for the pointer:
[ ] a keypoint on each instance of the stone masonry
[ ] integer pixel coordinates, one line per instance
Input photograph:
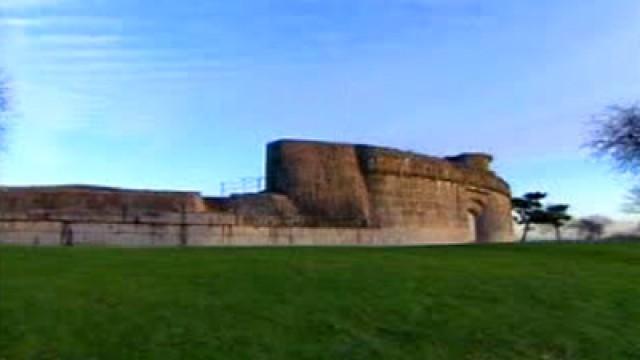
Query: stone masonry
(317, 193)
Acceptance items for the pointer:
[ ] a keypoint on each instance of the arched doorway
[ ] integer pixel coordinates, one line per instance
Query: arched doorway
(474, 220)
(472, 226)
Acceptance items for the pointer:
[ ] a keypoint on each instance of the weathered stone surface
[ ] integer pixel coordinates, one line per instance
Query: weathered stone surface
(264, 209)
(97, 199)
(317, 194)
(323, 180)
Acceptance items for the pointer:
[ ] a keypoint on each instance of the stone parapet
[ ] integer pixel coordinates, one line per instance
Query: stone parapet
(376, 160)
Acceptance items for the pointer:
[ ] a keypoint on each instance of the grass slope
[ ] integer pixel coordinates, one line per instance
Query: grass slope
(555, 301)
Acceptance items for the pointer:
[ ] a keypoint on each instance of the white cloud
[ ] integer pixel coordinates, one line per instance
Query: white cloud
(23, 4)
(17, 22)
(92, 22)
(78, 40)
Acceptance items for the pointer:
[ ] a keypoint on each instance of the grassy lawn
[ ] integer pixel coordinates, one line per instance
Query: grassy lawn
(553, 301)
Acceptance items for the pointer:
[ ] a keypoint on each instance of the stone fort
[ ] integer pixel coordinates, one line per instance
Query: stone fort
(316, 193)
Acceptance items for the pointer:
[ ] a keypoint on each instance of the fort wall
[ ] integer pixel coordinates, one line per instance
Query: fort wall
(317, 194)
(78, 198)
(201, 231)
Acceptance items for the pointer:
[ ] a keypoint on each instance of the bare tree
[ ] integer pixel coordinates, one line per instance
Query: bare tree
(632, 203)
(592, 227)
(616, 136)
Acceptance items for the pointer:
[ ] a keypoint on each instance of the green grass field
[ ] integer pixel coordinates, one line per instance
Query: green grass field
(553, 301)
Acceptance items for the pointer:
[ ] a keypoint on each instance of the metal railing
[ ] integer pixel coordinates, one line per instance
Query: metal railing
(242, 186)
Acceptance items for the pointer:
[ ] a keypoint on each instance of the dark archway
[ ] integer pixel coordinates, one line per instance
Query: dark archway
(472, 226)
(474, 220)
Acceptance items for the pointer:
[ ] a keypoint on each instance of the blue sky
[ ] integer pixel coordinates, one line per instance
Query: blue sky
(185, 94)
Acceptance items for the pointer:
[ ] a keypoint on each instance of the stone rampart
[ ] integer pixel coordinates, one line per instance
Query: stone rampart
(97, 199)
(317, 194)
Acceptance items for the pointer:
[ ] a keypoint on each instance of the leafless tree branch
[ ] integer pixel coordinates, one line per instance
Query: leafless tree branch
(616, 135)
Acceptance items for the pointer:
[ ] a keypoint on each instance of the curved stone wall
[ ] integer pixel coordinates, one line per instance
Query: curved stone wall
(457, 197)
(323, 180)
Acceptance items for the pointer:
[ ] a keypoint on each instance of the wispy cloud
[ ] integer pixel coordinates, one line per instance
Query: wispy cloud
(85, 22)
(24, 4)
(18, 22)
(139, 70)
(78, 40)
